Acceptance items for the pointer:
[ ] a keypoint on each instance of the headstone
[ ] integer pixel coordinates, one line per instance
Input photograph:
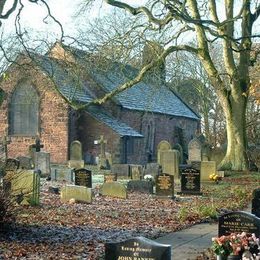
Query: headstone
(238, 222)
(165, 185)
(62, 174)
(25, 162)
(256, 202)
(113, 189)
(25, 187)
(11, 164)
(136, 172)
(170, 162)
(121, 170)
(190, 181)
(140, 186)
(180, 149)
(206, 169)
(162, 147)
(42, 163)
(194, 150)
(83, 177)
(102, 162)
(79, 193)
(196, 165)
(110, 177)
(76, 155)
(138, 248)
(76, 151)
(152, 169)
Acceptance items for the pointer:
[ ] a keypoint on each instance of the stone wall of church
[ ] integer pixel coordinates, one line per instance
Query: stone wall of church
(53, 116)
(164, 128)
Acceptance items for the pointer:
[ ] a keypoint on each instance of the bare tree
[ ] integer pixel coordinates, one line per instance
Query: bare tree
(235, 31)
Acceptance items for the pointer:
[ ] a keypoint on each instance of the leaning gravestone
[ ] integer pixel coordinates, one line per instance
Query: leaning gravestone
(76, 155)
(256, 202)
(194, 150)
(137, 248)
(165, 185)
(25, 187)
(83, 177)
(237, 222)
(190, 181)
(162, 147)
(113, 189)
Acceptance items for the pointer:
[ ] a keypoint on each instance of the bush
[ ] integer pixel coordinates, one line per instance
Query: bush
(6, 209)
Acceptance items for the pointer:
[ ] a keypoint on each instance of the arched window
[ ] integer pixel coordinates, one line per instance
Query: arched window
(24, 111)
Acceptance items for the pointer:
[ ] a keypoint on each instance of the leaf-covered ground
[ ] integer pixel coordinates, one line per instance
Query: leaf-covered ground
(56, 230)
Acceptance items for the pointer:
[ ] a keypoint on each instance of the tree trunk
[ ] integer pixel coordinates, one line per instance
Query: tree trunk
(236, 155)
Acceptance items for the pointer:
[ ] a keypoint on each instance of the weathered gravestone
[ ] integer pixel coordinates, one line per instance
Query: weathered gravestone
(140, 186)
(137, 248)
(135, 171)
(79, 193)
(165, 185)
(237, 222)
(42, 163)
(121, 170)
(62, 174)
(256, 202)
(25, 162)
(113, 189)
(170, 162)
(76, 155)
(162, 147)
(194, 150)
(25, 187)
(152, 169)
(206, 169)
(102, 161)
(10, 167)
(110, 177)
(83, 177)
(190, 181)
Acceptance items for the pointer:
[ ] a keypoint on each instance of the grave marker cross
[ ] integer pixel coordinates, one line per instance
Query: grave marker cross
(102, 143)
(37, 145)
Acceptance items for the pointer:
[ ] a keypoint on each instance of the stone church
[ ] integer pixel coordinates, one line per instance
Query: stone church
(51, 97)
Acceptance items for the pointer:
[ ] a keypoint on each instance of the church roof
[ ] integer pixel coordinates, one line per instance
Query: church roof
(150, 97)
(119, 127)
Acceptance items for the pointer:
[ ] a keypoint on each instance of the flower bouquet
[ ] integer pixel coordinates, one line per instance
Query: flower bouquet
(244, 246)
(215, 177)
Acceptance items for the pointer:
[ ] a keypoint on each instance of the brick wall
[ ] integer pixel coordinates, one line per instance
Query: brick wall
(53, 116)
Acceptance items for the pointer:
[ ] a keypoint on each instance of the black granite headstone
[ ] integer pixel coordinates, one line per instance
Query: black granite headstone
(165, 185)
(137, 248)
(190, 181)
(83, 177)
(256, 202)
(237, 222)
(140, 186)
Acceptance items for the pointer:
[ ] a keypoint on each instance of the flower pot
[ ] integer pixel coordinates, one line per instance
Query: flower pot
(234, 257)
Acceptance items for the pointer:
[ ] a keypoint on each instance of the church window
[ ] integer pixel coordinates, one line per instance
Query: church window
(24, 111)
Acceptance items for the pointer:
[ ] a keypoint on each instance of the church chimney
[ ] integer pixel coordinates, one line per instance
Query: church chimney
(152, 50)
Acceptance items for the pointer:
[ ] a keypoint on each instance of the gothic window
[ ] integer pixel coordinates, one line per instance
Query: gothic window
(149, 146)
(24, 111)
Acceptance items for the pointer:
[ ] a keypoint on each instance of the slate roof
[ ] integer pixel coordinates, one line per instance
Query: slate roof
(119, 127)
(68, 84)
(156, 98)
